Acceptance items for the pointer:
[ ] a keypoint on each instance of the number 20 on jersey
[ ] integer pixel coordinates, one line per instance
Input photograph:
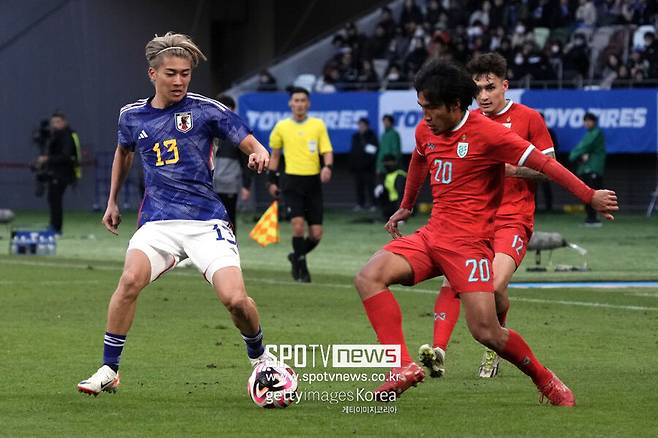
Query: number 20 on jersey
(443, 171)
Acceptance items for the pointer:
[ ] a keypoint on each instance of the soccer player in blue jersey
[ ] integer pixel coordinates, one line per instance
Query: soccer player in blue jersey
(181, 216)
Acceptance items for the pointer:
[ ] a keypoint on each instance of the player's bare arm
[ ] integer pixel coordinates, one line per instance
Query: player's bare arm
(259, 158)
(123, 160)
(416, 175)
(525, 172)
(273, 184)
(325, 172)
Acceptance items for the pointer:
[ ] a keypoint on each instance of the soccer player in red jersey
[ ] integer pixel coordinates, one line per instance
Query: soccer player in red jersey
(514, 219)
(464, 154)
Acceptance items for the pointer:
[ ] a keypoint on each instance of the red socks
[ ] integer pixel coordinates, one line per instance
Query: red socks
(446, 314)
(385, 317)
(519, 353)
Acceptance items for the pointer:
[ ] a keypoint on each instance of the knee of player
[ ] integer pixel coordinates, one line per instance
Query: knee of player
(365, 278)
(316, 235)
(237, 303)
(131, 283)
(484, 334)
(500, 290)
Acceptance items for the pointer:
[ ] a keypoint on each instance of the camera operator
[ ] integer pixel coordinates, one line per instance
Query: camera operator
(57, 167)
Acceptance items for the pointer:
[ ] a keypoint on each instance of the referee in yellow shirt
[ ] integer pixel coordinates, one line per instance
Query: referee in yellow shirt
(302, 139)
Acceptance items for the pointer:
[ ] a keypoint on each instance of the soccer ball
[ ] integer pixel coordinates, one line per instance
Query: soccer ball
(272, 385)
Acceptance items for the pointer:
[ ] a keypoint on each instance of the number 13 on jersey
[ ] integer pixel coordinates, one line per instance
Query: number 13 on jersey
(171, 148)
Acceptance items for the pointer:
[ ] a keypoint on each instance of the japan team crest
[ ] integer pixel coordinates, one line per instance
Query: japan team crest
(183, 121)
(462, 149)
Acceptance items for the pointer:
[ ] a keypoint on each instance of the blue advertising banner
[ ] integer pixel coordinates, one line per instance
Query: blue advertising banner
(628, 118)
(340, 112)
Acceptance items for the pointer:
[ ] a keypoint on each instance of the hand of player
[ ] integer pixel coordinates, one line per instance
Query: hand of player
(392, 225)
(510, 170)
(259, 161)
(112, 218)
(325, 175)
(605, 202)
(274, 190)
(244, 194)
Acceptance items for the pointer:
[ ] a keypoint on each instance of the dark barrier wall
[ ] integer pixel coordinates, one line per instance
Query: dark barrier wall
(86, 58)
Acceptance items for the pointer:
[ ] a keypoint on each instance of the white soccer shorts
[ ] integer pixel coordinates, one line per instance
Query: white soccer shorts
(210, 245)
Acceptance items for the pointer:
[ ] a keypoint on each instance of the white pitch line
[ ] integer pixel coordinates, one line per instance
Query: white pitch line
(583, 303)
(345, 286)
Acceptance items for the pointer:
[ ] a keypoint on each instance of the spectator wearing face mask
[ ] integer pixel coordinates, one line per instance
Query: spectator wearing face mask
(394, 79)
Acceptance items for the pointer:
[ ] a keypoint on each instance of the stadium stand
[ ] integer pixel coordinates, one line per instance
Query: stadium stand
(547, 43)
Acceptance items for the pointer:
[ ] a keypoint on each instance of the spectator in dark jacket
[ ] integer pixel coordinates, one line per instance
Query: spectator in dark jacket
(60, 163)
(411, 13)
(363, 155)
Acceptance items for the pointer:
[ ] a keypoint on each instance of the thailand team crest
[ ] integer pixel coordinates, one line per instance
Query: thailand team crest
(183, 121)
(462, 149)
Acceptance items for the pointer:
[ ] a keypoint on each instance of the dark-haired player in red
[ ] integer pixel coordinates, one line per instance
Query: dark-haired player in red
(514, 218)
(464, 154)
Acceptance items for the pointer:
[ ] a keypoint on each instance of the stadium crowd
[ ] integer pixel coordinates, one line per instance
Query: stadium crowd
(609, 43)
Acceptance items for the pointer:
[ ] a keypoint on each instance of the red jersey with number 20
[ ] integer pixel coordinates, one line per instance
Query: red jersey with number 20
(466, 169)
(518, 203)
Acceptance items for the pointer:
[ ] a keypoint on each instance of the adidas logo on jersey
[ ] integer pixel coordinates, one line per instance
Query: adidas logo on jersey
(142, 135)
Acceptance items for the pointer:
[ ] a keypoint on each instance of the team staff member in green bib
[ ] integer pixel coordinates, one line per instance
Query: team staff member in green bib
(389, 144)
(302, 139)
(589, 154)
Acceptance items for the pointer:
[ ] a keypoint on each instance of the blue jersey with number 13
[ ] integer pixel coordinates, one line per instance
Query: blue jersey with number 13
(175, 144)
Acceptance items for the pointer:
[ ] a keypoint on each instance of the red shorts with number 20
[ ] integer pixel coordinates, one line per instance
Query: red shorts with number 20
(465, 263)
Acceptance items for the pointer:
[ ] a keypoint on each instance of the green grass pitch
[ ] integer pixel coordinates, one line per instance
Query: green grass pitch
(184, 369)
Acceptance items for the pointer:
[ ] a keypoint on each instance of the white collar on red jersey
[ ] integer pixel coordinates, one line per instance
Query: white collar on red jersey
(462, 122)
(506, 108)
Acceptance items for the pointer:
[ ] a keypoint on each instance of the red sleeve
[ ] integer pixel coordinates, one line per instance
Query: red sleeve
(415, 178)
(558, 173)
(539, 135)
(504, 145)
(420, 133)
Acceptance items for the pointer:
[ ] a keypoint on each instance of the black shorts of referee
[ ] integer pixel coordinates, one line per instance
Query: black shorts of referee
(303, 197)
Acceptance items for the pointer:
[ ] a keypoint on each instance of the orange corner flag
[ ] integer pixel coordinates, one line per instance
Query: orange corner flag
(266, 230)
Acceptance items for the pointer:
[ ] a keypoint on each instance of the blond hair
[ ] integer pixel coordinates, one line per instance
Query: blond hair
(172, 44)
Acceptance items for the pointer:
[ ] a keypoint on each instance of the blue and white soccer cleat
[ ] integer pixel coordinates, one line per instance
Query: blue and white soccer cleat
(105, 379)
(433, 359)
(489, 365)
